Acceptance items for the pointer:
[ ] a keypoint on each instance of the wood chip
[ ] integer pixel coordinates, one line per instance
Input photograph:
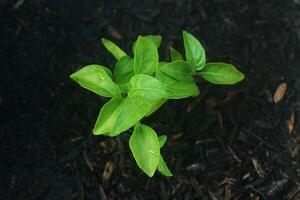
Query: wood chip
(196, 167)
(280, 92)
(294, 193)
(108, 170)
(211, 102)
(277, 187)
(108, 145)
(258, 167)
(177, 136)
(220, 120)
(76, 139)
(263, 124)
(229, 96)
(291, 123)
(294, 151)
(228, 193)
(87, 160)
(234, 155)
(197, 187)
(102, 194)
(114, 33)
(18, 4)
(245, 176)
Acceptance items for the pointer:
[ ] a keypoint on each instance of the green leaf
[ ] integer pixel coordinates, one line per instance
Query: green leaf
(163, 168)
(179, 70)
(176, 89)
(147, 87)
(164, 78)
(155, 39)
(155, 105)
(175, 55)
(123, 70)
(162, 140)
(96, 79)
(161, 63)
(194, 51)
(116, 51)
(123, 87)
(145, 148)
(221, 73)
(107, 117)
(133, 109)
(145, 57)
(179, 90)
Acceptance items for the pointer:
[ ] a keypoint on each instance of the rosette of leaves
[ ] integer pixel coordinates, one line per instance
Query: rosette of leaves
(141, 84)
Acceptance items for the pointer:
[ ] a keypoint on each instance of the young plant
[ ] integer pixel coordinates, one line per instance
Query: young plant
(141, 84)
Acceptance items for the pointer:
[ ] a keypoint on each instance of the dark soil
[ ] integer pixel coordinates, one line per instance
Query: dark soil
(231, 142)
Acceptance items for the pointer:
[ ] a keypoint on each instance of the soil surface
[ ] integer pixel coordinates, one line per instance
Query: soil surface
(231, 142)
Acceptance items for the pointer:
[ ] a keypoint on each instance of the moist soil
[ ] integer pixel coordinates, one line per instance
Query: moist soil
(231, 142)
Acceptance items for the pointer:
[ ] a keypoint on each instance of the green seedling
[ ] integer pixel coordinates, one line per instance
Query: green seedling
(141, 84)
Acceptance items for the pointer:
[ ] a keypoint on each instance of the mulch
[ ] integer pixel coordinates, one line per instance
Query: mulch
(231, 142)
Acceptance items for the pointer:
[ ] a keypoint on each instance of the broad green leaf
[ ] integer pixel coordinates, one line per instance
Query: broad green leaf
(162, 140)
(176, 89)
(163, 168)
(123, 87)
(96, 79)
(116, 51)
(221, 73)
(133, 109)
(179, 70)
(179, 90)
(144, 146)
(155, 105)
(155, 39)
(194, 51)
(164, 78)
(107, 117)
(123, 70)
(147, 87)
(175, 55)
(145, 57)
(108, 71)
(161, 63)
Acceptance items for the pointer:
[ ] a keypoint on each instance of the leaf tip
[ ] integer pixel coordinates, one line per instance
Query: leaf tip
(150, 174)
(140, 37)
(186, 34)
(242, 76)
(115, 131)
(239, 76)
(95, 132)
(73, 76)
(103, 40)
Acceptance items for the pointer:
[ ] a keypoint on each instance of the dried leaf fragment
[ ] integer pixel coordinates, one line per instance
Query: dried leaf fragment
(280, 92)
